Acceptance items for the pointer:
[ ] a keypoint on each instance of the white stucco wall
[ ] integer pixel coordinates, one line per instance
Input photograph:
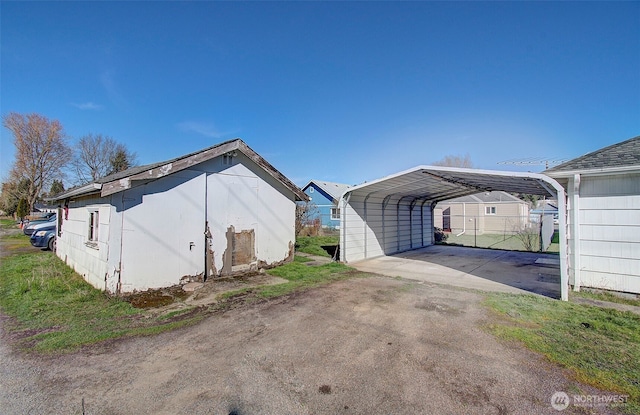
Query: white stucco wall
(153, 234)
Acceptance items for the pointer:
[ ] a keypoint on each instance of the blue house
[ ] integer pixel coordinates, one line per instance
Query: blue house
(325, 196)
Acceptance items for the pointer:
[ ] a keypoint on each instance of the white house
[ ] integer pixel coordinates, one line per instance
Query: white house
(603, 189)
(218, 211)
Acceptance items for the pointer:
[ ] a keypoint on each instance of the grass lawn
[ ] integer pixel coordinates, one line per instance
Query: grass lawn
(8, 222)
(55, 310)
(313, 244)
(607, 296)
(495, 241)
(600, 346)
(300, 277)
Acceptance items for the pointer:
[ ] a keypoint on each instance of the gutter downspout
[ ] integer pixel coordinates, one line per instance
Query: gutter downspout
(464, 219)
(119, 270)
(574, 215)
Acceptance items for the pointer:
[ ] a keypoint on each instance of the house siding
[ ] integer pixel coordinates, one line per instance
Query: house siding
(510, 217)
(323, 203)
(72, 245)
(608, 227)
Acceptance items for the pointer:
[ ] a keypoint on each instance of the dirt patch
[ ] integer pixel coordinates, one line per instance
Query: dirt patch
(214, 287)
(362, 346)
(14, 242)
(209, 293)
(156, 298)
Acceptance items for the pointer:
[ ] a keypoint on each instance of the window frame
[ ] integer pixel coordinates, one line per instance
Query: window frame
(335, 213)
(490, 210)
(93, 231)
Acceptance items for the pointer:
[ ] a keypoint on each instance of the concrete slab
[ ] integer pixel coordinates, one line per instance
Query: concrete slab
(481, 269)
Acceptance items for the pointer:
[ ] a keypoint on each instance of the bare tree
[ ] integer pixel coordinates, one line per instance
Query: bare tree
(306, 212)
(455, 161)
(98, 156)
(92, 157)
(41, 151)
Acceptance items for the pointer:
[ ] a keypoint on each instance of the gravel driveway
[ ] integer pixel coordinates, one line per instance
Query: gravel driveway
(364, 346)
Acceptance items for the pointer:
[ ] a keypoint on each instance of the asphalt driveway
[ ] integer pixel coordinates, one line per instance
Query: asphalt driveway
(482, 269)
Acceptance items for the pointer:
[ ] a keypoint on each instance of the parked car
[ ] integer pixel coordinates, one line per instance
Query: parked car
(40, 224)
(44, 239)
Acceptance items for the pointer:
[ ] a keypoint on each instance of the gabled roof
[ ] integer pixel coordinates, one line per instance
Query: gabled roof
(495, 196)
(123, 180)
(335, 190)
(436, 183)
(620, 156)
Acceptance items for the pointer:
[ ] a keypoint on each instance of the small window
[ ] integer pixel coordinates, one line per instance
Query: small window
(311, 190)
(335, 213)
(227, 159)
(490, 210)
(94, 223)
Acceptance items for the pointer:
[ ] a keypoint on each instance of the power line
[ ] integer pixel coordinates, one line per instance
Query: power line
(530, 161)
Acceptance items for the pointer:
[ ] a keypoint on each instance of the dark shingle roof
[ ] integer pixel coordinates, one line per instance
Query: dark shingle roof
(626, 153)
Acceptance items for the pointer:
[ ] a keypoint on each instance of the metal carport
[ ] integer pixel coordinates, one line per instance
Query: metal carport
(395, 214)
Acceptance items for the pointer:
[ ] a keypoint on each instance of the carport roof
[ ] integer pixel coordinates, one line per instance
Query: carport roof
(436, 183)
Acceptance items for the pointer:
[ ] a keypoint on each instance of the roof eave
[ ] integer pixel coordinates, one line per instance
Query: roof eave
(185, 162)
(80, 191)
(592, 172)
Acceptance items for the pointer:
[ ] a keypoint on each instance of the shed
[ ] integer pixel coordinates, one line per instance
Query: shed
(603, 208)
(396, 213)
(219, 211)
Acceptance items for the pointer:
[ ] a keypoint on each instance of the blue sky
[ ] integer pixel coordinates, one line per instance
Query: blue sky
(345, 92)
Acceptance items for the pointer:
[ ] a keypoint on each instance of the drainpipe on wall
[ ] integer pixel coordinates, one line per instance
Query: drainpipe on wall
(119, 270)
(575, 231)
(464, 219)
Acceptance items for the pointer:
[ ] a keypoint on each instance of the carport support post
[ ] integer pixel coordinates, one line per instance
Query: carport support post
(411, 207)
(343, 226)
(365, 224)
(385, 202)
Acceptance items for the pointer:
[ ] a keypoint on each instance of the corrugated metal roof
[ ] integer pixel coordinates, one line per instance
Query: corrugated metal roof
(436, 183)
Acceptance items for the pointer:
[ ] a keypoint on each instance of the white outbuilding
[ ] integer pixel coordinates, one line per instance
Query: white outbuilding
(219, 211)
(603, 190)
(396, 213)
